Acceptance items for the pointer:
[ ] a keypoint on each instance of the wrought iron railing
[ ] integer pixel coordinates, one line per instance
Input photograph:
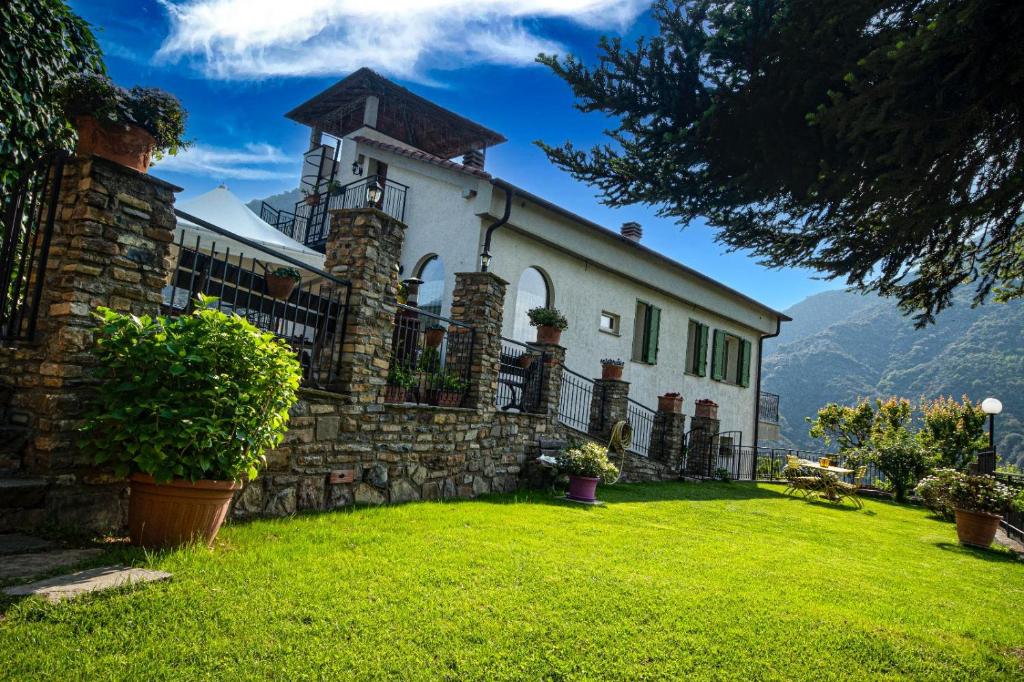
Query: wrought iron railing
(309, 222)
(310, 314)
(431, 357)
(642, 419)
(576, 399)
(27, 212)
(520, 377)
(768, 408)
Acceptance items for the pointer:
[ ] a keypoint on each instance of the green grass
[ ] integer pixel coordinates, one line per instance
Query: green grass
(672, 580)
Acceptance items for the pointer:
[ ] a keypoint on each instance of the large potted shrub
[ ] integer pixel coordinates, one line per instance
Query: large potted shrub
(550, 324)
(124, 126)
(186, 407)
(979, 502)
(587, 465)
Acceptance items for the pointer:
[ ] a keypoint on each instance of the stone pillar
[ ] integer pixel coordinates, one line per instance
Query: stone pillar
(479, 301)
(364, 246)
(702, 450)
(608, 405)
(551, 382)
(111, 247)
(667, 437)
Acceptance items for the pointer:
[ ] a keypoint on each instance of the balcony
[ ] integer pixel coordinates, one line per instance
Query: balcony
(309, 223)
(768, 416)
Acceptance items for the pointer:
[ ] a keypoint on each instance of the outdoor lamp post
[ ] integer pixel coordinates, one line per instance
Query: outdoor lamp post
(374, 194)
(991, 407)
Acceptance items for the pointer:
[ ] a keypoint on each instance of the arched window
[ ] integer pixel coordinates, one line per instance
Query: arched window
(533, 292)
(431, 271)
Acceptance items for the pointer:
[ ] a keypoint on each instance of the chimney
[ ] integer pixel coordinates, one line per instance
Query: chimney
(632, 231)
(474, 159)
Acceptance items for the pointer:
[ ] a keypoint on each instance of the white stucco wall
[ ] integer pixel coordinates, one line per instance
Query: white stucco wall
(611, 276)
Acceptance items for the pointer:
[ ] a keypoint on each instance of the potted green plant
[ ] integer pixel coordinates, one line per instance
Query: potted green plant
(525, 360)
(128, 127)
(281, 282)
(587, 465)
(335, 188)
(433, 336)
(448, 391)
(979, 502)
(611, 368)
(550, 324)
(670, 402)
(186, 407)
(400, 380)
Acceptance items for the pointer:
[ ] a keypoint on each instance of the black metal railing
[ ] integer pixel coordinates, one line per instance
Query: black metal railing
(27, 212)
(431, 357)
(309, 314)
(576, 399)
(520, 377)
(768, 408)
(642, 419)
(309, 222)
(1013, 520)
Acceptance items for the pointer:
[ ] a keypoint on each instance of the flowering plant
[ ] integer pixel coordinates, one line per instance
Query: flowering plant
(980, 494)
(588, 460)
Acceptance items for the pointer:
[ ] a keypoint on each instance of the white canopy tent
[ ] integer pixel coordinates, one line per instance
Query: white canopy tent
(222, 208)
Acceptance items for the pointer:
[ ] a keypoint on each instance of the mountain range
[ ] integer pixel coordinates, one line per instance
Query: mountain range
(843, 345)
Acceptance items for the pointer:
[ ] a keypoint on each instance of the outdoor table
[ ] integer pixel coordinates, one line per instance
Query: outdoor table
(829, 491)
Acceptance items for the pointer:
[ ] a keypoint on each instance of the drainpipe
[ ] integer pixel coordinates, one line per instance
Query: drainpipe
(757, 395)
(485, 256)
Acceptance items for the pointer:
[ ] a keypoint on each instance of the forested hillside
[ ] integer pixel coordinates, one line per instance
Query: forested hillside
(842, 345)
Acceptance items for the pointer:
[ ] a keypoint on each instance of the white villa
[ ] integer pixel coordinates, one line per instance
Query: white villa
(676, 329)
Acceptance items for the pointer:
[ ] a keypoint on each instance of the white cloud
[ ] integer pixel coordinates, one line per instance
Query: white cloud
(252, 162)
(241, 39)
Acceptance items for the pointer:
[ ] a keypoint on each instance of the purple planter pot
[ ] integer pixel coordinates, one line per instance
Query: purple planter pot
(582, 489)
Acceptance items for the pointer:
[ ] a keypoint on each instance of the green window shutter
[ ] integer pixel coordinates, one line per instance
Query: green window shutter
(700, 356)
(653, 327)
(718, 355)
(744, 363)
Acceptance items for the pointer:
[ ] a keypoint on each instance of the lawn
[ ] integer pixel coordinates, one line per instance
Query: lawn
(670, 580)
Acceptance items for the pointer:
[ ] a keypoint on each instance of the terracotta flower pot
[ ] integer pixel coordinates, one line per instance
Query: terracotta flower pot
(582, 489)
(171, 514)
(126, 144)
(706, 409)
(611, 372)
(394, 394)
(279, 286)
(433, 337)
(311, 199)
(977, 529)
(548, 334)
(670, 403)
(442, 398)
(524, 361)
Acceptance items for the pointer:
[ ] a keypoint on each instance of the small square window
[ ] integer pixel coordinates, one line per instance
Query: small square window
(609, 322)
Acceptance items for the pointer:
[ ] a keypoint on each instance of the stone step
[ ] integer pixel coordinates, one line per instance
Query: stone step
(84, 582)
(22, 493)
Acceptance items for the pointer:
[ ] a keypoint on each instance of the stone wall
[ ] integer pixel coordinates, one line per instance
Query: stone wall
(110, 248)
(335, 455)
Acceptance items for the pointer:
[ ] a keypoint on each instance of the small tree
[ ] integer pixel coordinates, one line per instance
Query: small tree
(901, 458)
(955, 431)
(849, 427)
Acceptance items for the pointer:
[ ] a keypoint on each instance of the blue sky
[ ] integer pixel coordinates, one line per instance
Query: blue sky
(239, 65)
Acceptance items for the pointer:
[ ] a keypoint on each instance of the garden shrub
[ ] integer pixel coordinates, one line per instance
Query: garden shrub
(200, 396)
(934, 492)
(981, 494)
(901, 458)
(955, 431)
